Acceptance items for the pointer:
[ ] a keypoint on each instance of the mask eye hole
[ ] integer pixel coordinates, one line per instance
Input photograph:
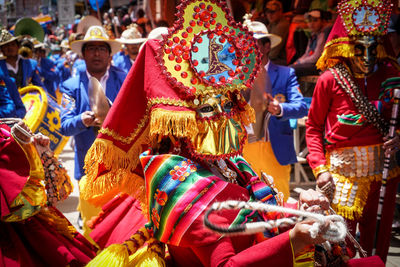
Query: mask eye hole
(206, 109)
(228, 106)
(359, 50)
(373, 50)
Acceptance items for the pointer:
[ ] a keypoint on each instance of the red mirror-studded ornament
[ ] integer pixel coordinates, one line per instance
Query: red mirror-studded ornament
(199, 19)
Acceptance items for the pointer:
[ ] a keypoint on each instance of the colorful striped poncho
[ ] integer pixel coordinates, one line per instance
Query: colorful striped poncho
(179, 190)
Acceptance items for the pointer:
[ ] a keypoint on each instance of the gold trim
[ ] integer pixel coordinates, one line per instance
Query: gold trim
(320, 169)
(169, 101)
(129, 139)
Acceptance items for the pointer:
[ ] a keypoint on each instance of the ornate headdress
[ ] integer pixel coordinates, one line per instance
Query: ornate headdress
(205, 54)
(356, 18)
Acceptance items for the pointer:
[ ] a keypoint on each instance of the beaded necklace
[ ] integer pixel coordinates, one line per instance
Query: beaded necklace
(344, 79)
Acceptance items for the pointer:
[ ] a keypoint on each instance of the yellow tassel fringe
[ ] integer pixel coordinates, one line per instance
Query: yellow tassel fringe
(120, 178)
(177, 123)
(115, 255)
(118, 254)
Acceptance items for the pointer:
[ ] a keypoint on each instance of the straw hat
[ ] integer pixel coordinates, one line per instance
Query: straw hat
(95, 34)
(260, 31)
(6, 37)
(131, 36)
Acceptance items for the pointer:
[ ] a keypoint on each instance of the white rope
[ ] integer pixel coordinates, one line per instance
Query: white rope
(336, 231)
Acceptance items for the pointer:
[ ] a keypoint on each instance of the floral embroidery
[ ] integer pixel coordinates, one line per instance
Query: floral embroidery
(161, 197)
(181, 172)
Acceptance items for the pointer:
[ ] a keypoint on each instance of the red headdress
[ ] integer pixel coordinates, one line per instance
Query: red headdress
(356, 18)
(205, 53)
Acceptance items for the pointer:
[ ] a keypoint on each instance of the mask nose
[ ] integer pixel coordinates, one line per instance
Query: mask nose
(218, 108)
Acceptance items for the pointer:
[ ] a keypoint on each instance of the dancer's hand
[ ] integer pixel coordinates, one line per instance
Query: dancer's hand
(391, 145)
(41, 142)
(300, 235)
(323, 178)
(20, 135)
(314, 200)
(273, 105)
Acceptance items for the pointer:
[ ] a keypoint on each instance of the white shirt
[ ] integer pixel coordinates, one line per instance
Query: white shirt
(103, 79)
(11, 68)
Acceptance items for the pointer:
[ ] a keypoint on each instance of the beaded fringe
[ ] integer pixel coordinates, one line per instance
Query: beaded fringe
(355, 211)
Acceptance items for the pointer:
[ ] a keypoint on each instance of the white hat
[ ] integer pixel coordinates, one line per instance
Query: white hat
(260, 31)
(95, 34)
(157, 33)
(131, 36)
(64, 44)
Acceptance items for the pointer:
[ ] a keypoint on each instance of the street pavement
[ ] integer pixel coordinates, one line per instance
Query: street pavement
(68, 207)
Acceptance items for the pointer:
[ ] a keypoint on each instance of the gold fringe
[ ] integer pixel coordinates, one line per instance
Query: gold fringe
(120, 178)
(176, 123)
(334, 53)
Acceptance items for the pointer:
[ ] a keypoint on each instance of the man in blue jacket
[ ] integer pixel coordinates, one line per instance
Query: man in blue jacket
(276, 98)
(23, 71)
(19, 110)
(77, 119)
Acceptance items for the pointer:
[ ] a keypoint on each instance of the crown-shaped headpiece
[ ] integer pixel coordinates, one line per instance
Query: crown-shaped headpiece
(207, 52)
(365, 17)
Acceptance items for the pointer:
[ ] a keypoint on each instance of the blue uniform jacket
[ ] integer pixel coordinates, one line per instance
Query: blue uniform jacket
(20, 110)
(122, 61)
(286, 89)
(30, 72)
(7, 107)
(47, 70)
(75, 102)
(63, 71)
